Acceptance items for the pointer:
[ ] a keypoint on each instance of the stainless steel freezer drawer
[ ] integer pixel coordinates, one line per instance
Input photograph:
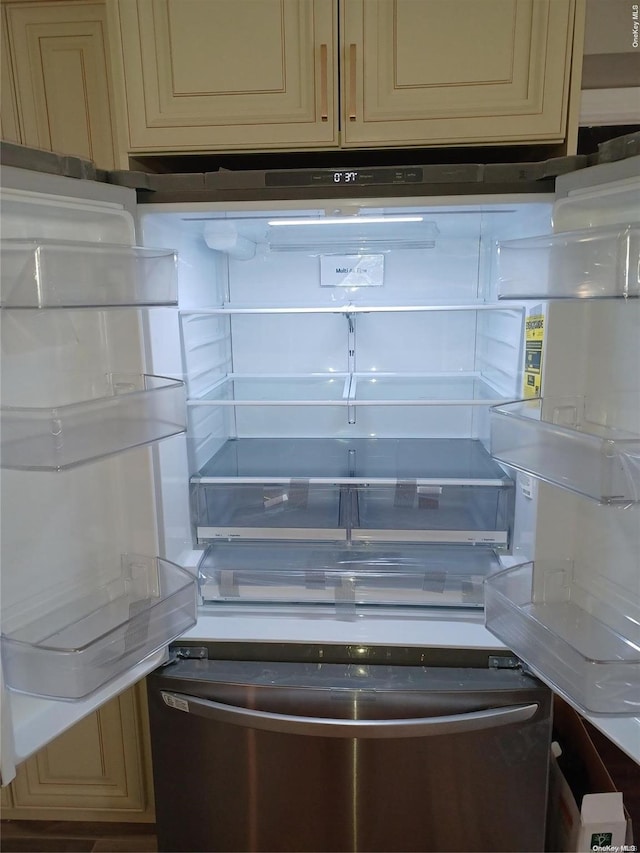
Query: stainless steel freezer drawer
(320, 757)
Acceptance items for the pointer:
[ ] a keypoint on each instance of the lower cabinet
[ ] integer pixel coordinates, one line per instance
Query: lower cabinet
(100, 770)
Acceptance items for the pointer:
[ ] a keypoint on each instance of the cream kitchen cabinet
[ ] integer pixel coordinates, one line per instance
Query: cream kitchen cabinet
(99, 770)
(9, 124)
(56, 88)
(436, 72)
(225, 75)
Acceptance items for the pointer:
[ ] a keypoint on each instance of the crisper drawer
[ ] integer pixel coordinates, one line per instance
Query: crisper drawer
(389, 490)
(325, 573)
(403, 512)
(291, 510)
(408, 512)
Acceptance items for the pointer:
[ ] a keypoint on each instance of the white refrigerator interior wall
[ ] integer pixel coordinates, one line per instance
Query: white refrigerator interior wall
(412, 347)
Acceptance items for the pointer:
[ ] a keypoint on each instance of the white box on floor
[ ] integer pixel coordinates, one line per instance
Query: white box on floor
(600, 822)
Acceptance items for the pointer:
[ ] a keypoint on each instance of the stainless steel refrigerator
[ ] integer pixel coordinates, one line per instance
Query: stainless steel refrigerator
(312, 407)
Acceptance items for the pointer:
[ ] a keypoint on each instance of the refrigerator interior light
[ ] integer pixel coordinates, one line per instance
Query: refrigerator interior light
(351, 234)
(344, 220)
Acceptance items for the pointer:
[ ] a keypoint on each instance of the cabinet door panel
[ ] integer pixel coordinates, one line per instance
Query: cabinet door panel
(464, 71)
(9, 123)
(98, 770)
(63, 91)
(224, 74)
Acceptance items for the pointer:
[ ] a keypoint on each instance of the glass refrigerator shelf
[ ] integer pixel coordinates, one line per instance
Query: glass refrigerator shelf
(357, 389)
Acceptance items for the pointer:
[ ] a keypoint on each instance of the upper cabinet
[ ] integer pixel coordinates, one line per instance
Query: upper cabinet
(228, 74)
(9, 123)
(225, 75)
(464, 71)
(259, 75)
(56, 88)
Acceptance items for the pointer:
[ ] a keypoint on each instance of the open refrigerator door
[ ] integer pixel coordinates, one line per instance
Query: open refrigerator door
(572, 614)
(88, 607)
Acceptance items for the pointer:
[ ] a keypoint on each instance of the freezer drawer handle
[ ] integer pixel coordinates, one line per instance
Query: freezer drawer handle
(325, 727)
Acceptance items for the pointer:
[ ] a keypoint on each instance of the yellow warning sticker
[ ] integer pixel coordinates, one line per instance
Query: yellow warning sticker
(534, 337)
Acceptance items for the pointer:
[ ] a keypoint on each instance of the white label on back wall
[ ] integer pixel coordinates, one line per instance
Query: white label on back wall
(351, 270)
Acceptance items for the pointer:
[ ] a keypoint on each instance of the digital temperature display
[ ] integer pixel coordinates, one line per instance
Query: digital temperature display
(343, 177)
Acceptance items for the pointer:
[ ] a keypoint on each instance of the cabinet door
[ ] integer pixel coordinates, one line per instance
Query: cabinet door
(9, 124)
(97, 770)
(422, 72)
(59, 54)
(228, 74)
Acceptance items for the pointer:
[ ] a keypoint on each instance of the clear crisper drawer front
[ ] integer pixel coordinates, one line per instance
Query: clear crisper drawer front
(594, 263)
(64, 274)
(449, 514)
(573, 443)
(322, 573)
(289, 510)
(414, 490)
(118, 412)
(68, 650)
(586, 650)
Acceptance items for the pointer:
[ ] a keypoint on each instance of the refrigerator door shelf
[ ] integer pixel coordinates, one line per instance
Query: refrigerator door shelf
(573, 442)
(66, 274)
(589, 264)
(588, 650)
(120, 411)
(69, 649)
(347, 575)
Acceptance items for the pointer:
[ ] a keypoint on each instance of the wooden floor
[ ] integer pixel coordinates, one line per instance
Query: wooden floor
(42, 836)
(71, 837)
